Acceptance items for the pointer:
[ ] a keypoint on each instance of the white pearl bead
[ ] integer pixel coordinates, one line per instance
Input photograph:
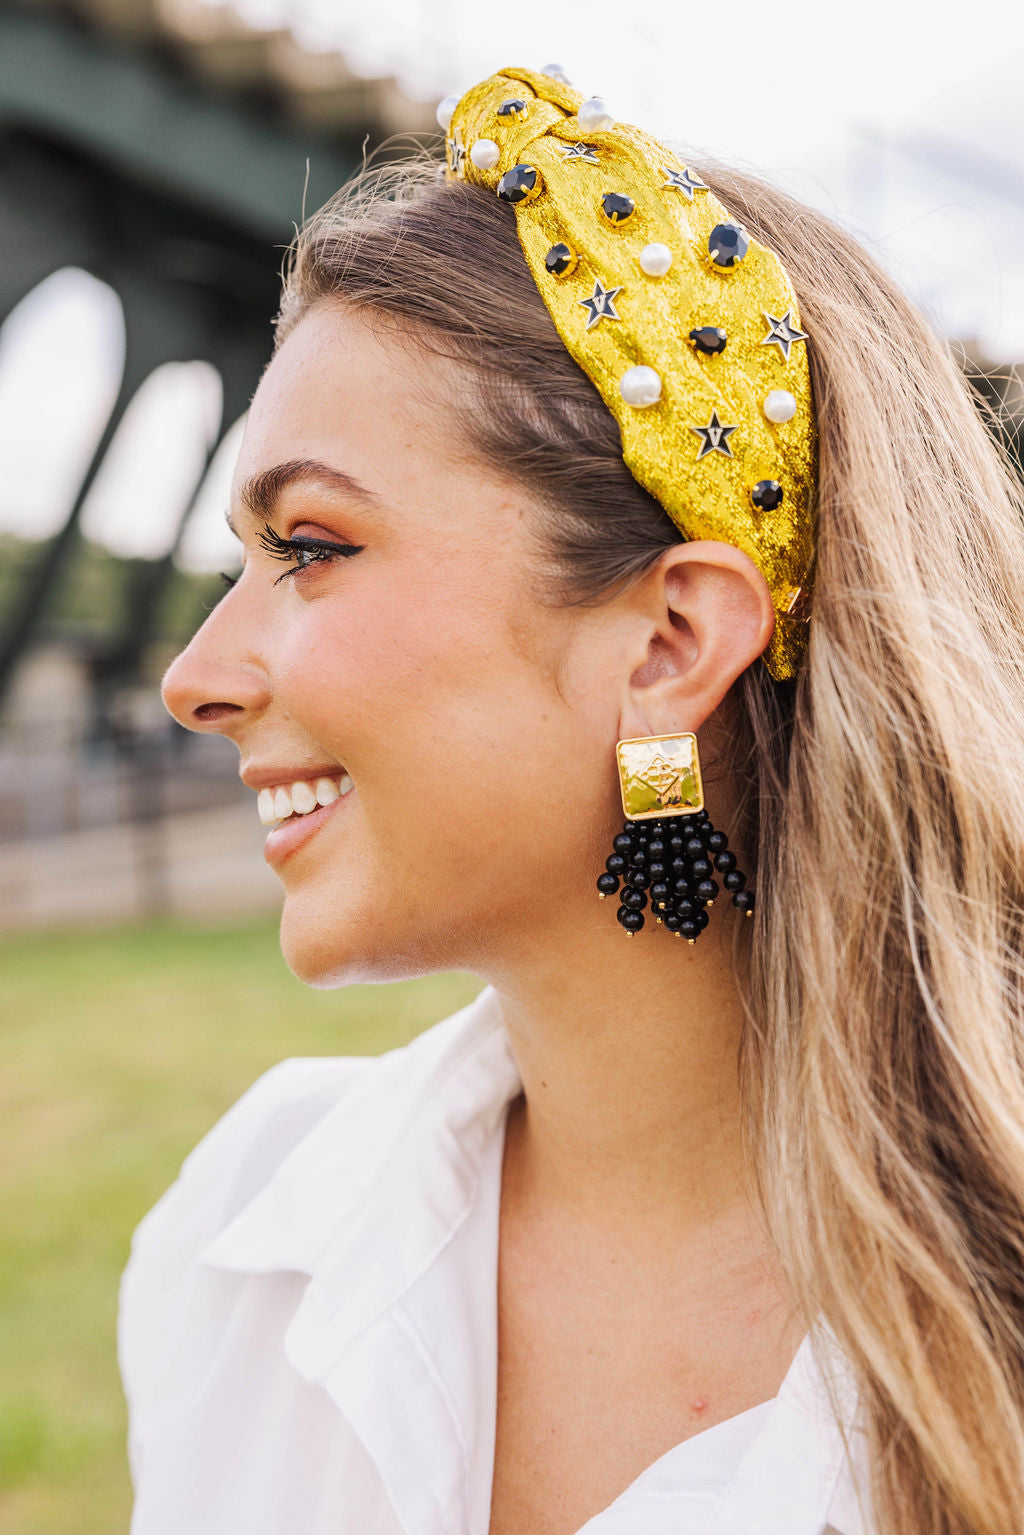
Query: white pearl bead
(779, 405)
(446, 111)
(640, 386)
(485, 154)
(556, 72)
(655, 259)
(593, 115)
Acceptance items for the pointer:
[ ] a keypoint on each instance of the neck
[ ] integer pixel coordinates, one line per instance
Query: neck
(629, 1061)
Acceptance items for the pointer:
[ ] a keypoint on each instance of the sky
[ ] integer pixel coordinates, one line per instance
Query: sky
(905, 122)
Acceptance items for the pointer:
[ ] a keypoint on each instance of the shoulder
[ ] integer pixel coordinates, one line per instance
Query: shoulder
(233, 1160)
(261, 1185)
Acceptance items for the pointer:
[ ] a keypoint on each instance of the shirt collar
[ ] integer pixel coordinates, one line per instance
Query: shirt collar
(378, 1205)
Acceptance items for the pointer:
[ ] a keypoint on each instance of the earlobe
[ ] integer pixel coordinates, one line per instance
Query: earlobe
(711, 616)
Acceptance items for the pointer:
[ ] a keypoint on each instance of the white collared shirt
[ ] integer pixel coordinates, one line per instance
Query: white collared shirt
(307, 1332)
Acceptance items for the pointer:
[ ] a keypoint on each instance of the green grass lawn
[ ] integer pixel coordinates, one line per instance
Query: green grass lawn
(119, 1050)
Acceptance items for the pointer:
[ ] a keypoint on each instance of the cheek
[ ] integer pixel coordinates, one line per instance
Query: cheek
(457, 740)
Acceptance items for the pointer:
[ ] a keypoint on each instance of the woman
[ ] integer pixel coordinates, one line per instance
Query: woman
(684, 1224)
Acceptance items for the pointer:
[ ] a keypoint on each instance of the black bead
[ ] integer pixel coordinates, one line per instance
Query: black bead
(744, 900)
(637, 879)
(615, 863)
(640, 856)
(655, 827)
(767, 495)
(672, 922)
(617, 207)
(607, 884)
(728, 244)
(706, 890)
(623, 843)
(725, 861)
(718, 841)
(679, 867)
(702, 919)
(734, 880)
(519, 184)
(677, 844)
(657, 869)
(695, 848)
(683, 888)
(516, 107)
(656, 847)
(689, 928)
(560, 260)
(701, 868)
(622, 913)
(633, 921)
(659, 891)
(709, 339)
(634, 900)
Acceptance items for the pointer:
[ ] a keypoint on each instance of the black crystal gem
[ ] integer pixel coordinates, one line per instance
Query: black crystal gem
(728, 244)
(519, 184)
(767, 494)
(559, 260)
(617, 207)
(709, 339)
(516, 107)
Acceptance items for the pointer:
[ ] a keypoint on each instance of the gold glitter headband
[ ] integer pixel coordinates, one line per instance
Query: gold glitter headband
(687, 326)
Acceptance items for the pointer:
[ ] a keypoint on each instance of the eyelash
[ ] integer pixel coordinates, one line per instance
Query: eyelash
(316, 549)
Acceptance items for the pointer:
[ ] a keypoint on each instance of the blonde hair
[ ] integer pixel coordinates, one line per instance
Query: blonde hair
(883, 800)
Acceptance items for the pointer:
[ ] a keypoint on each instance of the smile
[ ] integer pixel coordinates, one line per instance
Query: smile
(286, 801)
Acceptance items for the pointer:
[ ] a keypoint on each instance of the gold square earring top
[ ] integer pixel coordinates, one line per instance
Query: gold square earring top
(660, 775)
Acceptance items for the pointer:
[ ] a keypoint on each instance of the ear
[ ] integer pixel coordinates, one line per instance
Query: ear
(704, 615)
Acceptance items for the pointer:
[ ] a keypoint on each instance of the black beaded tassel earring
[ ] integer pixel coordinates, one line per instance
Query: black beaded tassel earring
(668, 852)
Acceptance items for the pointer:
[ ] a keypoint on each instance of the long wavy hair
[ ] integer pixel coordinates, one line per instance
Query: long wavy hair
(882, 1065)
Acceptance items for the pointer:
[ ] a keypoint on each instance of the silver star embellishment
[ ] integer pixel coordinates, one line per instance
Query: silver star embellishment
(585, 152)
(456, 151)
(685, 180)
(600, 304)
(714, 438)
(782, 333)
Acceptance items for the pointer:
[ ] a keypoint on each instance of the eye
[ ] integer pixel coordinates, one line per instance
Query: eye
(303, 550)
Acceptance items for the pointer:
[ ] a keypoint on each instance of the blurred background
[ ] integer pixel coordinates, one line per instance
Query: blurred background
(155, 157)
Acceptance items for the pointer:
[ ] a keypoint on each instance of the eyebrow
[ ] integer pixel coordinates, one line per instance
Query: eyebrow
(261, 492)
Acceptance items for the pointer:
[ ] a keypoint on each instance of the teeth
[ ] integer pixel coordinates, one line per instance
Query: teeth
(326, 791)
(300, 798)
(303, 797)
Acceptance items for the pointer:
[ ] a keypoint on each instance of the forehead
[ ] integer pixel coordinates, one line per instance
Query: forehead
(340, 383)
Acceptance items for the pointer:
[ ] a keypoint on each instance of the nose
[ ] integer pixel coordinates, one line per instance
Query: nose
(216, 684)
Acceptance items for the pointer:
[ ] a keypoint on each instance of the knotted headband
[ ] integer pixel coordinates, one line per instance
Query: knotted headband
(687, 326)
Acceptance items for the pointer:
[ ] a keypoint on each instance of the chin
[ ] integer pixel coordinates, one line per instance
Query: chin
(348, 951)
